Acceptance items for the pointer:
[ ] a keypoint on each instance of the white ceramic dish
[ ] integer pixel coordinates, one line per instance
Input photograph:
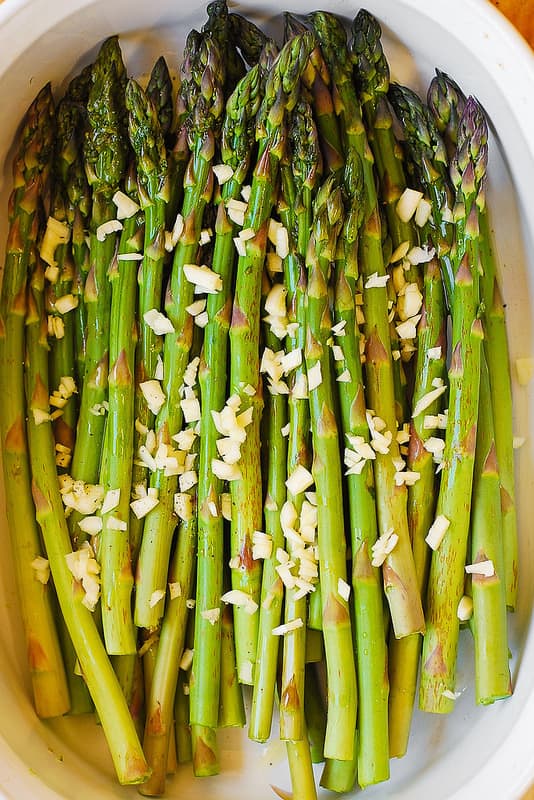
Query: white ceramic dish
(475, 752)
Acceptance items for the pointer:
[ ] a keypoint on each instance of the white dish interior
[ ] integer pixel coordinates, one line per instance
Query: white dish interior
(477, 751)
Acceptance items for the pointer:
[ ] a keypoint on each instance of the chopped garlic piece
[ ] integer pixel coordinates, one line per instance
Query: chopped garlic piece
(376, 281)
(241, 599)
(40, 416)
(111, 226)
(344, 377)
(91, 525)
(111, 500)
(153, 394)
(126, 207)
(407, 204)
(177, 229)
(224, 471)
(337, 352)
(293, 625)
(212, 615)
(183, 506)
(420, 255)
(143, 506)
(223, 173)
(197, 307)
(315, 377)
(66, 303)
(400, 252)
(484, 568)
(175, 590)
(201, 320)
(339, 328)
(408, 328)
(422, 212)
(518, 441)
(437, 531)
(246, 192)
(191, 409)
(116, 524)
(41, 567)
(434, 353)
(275, 302)
(186, 659)
(156, 597)
(52, 273)
(274, 263)
(282, 242)
(465, 608)
(187, 480)
(236, 210)
(343, 589)
(299, 480)
(409, 302)
(56, 233)
(383, 546)
(427, 399)
(406, 478)
(240, 246)
(203, 277)
(130, 256)
(158, 322)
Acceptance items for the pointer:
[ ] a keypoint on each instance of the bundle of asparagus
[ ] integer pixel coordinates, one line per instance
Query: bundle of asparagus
(209, 308)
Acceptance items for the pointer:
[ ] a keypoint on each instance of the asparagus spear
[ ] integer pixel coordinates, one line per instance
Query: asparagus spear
(159, 90)
(446, 578)
(371, 661)
(305, 168)
(161, 696)
(116, 476)
(62, 354)
(78, 204)
(492, 673)
(118, 726)
(316, 78)
(146, 136)
(219, 26)
(105, 156)
(446, 101)
(281, 92)
(326, 470)
(250, 39)
(202, 87)
(30, 173)
(237, 149)
(398, 568)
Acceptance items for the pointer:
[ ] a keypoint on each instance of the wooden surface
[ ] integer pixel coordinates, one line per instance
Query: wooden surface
(521, 14)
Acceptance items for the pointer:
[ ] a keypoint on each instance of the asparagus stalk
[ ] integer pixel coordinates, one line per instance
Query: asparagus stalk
(105, 155)
(219, 26)
(454, 502)
(62, 353)
(398, 568)
(78, 205)
(371, 661)
(202, 79)
(316, 78)
(115, 556)
(160, 701)
(305, 168)
(30, 173)
(446, 101)
(250, 39)
(404, 654)
(281, 92)
(146, 136)
(326, 470)
(159, 90)
(492, 673)
(111, 706)
(237, 147)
